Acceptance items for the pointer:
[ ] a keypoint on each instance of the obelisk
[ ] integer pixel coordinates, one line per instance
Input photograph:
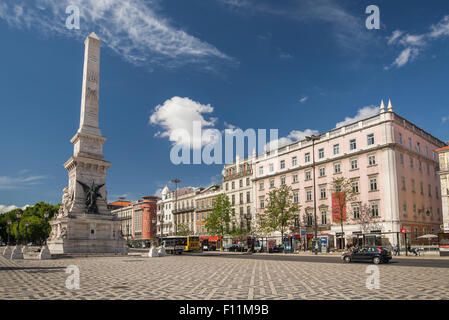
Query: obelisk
(84, 223)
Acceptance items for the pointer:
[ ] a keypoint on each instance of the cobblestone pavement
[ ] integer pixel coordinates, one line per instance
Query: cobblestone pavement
(194, 277)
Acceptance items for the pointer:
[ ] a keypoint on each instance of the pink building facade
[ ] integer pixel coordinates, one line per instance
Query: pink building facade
(392, 164)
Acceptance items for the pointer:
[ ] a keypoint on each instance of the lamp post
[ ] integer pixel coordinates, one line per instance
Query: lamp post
(176, 181)
(25, 247)
(8, 231)
(7, 252)
(248, 229)
(313, 138)
(17, 252)
(45, 252)
(154, 230)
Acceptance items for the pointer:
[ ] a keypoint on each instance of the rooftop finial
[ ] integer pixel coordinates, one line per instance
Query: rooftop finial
(390, 107)
(382, 106)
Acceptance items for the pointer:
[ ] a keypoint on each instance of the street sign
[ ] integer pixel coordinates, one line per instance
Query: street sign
(376, 231)
(303, 233)
(403, 230)
(339, 234)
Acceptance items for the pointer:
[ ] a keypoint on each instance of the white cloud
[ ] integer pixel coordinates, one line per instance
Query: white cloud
(158, 193)
(444, 119)
(395, 36)
(131, 28)
(5, 208)
(347, 29)
(414, 43)
(362, 113)
(295, 135)
(179, 114)
(8, 183)
(303, 99)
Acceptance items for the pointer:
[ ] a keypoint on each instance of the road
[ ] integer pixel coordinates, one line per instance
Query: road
(402, 261)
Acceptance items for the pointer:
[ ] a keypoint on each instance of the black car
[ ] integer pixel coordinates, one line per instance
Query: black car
(368, 254)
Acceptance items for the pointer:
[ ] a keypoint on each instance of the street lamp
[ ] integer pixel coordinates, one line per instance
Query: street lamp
(176, 181)
(154, 231)
(45, 252)
(248, 229)
(8, 231)
(313, 138)
(17, 252)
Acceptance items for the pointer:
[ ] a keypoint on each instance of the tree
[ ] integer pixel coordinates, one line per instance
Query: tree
(366, 219)
(280, 210)
(184, 230)
(217, 223)
(37, 229)
(342, 194)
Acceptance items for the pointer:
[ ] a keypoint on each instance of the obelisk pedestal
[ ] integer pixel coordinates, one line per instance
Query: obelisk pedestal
(84, 223)
(7, 252)
(17, 252)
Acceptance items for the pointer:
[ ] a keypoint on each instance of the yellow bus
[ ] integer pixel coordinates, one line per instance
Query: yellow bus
(178, 244)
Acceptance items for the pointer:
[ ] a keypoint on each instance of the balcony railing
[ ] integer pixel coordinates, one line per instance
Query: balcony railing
(238, 175)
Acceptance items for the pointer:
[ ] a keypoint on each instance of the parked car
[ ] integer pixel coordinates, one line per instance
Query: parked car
(276, 249)
(236, 248)
(368, 254)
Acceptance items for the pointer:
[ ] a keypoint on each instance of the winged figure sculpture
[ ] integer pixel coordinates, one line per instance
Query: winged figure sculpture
(91, 195)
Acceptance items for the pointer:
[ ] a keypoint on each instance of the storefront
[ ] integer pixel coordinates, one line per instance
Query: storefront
(211, 243)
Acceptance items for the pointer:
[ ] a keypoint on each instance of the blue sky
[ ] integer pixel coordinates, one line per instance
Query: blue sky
(288, 65)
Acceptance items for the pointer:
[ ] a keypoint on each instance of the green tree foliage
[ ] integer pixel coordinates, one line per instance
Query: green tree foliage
(342, 194)
(184, 230)
(280, 210)
(37, 229)
(217, 223)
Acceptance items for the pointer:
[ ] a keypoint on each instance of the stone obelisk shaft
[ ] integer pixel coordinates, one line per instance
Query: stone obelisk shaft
(90, 91)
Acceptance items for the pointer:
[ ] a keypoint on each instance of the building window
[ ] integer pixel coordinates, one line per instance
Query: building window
(400, 137)
(403, 183)
(248, 182)
(370, 139)
(429, 187)
(414, 210)
(241, 198)
(294, 161)
(309, 195)
(323, 217)
(260, 170)
(282, 180)
(248, 197)
(261, 203)
(354, 164)
(307, 157)
(308, 175)
(413, 185)
(248, 210)
(322, 171)
(261, 185)
(373, 184)
(411, 162)
(352, 144)
(421, 187)
(271, 167)
(436, 193)
(282, 164)
(233, 185)
(323, 193)
(336, 149)
(309, 219)
(404, 209)
(371, 160)
(227, 186)
(374, 209)
(271, 183)
(295, 178)
(240, 183)
(401, 158)
(410, 143)
(320, 153)
(337, 168)
(355, 186)
(232, 200)
(295, 197)
(418, 147)
(356, 211)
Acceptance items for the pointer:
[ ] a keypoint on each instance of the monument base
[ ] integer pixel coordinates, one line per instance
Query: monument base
(17, 252)
(45, 253)
(7, 252)
(86, 234)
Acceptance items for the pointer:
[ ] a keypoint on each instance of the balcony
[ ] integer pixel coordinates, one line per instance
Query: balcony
(182, 210)
(238, 175)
